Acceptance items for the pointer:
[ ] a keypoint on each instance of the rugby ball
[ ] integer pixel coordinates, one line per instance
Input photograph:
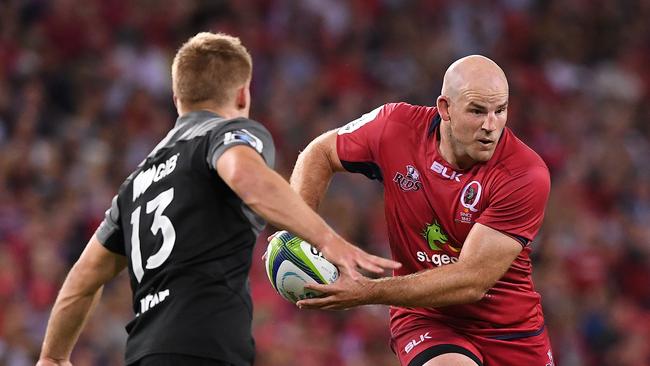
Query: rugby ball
(292, 262)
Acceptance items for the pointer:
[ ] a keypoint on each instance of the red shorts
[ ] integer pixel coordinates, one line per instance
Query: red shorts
(422, 339)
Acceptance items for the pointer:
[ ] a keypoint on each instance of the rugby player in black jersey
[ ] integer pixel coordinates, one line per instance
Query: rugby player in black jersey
(185, 222)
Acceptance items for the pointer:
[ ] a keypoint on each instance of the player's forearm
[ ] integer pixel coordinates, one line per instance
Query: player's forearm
(269, 195)
(69, 314)
(443, 286)
(79, 294)
(313, 171)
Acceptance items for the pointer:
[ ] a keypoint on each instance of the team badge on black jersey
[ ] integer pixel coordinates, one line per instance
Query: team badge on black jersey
(243, 136)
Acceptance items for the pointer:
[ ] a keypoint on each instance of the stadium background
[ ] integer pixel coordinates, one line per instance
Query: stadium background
(85, 94)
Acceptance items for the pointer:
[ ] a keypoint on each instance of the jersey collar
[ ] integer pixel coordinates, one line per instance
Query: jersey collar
(195, 116)
(435, 122)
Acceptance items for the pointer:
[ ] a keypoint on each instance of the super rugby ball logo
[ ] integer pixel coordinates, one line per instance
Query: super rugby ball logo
(409, 181)
(471, 195)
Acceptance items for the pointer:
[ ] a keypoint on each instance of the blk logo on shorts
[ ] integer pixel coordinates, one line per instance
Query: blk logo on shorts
(550, 358)
(414, 342)
(409, 181)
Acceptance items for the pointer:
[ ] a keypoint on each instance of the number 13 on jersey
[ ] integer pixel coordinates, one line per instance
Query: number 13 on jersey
(160, 223)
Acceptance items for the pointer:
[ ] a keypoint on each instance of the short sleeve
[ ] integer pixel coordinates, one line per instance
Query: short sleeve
(241, 132)
(516, 206)
(357, 143)
(109, 233)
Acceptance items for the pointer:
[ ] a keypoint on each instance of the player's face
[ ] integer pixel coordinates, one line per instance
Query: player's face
(477, 118)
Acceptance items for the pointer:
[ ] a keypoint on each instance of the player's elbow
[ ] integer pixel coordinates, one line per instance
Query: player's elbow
(321, 153)
(246, 185)
(246, 178)
(477, 290)
(467, 294)
(314, 153)
(476, 294)
(254, 189)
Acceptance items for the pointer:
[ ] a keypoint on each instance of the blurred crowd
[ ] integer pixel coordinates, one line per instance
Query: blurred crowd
(85, 94)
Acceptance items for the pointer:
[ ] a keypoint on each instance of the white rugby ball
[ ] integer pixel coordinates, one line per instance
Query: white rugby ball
(292, 262)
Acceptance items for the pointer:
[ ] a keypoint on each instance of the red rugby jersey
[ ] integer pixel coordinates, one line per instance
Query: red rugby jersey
(431, 207)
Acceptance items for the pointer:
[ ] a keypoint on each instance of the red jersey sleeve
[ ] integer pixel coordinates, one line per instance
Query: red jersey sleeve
(357, 143)
(517, 204)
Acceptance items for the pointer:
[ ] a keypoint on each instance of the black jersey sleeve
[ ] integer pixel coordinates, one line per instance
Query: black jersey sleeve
(109, 232)
(241, 132)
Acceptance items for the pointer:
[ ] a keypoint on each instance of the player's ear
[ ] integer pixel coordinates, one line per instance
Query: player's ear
(243, 99)
(243, 96)
(240, 98)
(442, 103)
(177, 104)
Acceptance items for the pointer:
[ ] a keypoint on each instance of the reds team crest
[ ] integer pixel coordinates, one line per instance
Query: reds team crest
(409, 181)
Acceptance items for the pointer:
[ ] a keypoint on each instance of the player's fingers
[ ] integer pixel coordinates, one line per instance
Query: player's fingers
(270, 237)
(324, 289)
(386, 263)
(371, 267)
(313, 303)
(334, 307)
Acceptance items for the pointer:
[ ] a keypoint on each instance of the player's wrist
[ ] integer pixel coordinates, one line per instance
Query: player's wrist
(328, 240)
(372, 293)
(51, 361)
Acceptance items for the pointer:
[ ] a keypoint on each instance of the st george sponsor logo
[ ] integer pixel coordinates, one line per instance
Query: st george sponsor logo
(409, 181)
(445, 172)
(414, 342)
(437, 238)
(437, 259)
(439, 241)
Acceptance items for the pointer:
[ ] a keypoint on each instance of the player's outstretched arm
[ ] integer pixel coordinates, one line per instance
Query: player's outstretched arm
(80, 292)
(486, 256)
(315, 167)
(270, 196)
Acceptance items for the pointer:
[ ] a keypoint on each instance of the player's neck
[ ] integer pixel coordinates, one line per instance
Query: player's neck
(222, 111)
(453, 155)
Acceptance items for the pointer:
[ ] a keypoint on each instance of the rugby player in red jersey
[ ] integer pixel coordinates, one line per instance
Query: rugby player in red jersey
(464, 198)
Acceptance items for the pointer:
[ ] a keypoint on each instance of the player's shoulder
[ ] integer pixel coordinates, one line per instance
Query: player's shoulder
(221, 125)
(409, 113)
(242, 121)
(404, 119)
(516, 153)
(202, 123)
(519, 160)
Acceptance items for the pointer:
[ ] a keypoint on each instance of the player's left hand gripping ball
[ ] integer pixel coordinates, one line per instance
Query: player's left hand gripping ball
(347, 292)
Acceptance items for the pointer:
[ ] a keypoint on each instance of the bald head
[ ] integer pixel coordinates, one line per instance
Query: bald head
(473, 108)
(474, 73)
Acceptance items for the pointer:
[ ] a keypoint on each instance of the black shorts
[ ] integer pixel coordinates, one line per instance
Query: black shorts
(173, 359)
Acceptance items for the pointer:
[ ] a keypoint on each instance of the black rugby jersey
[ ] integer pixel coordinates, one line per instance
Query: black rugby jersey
(189, 240)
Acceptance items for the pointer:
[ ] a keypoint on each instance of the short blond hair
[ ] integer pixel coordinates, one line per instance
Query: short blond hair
(210, 67)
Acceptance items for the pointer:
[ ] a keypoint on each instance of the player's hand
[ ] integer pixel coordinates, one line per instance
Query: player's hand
(349, 259)
(345, 293)
(51, 362)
